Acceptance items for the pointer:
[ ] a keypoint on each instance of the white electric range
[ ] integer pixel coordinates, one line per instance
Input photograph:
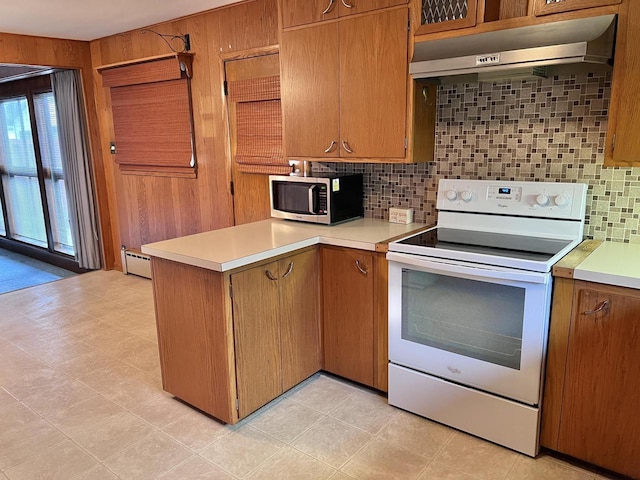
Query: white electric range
(469, 305)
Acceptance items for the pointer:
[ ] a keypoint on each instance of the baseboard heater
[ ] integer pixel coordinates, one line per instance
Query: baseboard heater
(135, 263)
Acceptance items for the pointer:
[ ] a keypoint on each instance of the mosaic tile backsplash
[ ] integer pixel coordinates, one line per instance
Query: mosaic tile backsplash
(527, 130)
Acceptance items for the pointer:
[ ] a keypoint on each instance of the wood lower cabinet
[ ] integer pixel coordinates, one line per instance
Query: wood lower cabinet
(592, 394)
(344, 88)
(276, 328)
(195, 336)
(231, 342)
(545, 7)
(303, 12)
(354, 315)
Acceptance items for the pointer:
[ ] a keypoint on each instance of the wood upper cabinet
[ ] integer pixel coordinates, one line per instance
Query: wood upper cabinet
(354, 306)
(545, 7)
(276, 328)
(622, 147)
(441, 15)
(344, 88)
(310, 91)
(594, 383)
(303, 12)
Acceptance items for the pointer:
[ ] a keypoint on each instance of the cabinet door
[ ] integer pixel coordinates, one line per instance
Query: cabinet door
(622, 147)
(347, 299)
(257, 336)
(309, 83)
(599, 420)
(545, 7)
(373, 85)
(441, 15)
(302, 12)
(299, 317)
(351, 7)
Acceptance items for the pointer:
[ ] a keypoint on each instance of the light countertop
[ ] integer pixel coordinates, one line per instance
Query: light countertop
(612, 263)
(233, 247)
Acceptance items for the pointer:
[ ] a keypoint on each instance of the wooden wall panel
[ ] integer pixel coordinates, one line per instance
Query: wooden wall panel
(72, 54)
(155, 208)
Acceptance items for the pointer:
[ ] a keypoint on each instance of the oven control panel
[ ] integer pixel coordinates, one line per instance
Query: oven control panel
(533, 199)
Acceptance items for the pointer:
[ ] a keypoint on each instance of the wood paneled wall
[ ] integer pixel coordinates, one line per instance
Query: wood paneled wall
(156, 208)
(28, 50)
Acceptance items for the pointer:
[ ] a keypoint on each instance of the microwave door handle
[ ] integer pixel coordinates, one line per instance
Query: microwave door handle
(311, 189)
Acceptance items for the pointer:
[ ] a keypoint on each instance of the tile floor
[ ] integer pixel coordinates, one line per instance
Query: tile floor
(81, 398)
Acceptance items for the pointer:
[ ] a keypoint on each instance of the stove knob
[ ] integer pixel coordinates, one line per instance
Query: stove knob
(466, 196)
(452, 195)
(562, 200)
(542, 200)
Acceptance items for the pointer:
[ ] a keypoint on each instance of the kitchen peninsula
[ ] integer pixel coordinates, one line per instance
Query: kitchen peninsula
(247, 312)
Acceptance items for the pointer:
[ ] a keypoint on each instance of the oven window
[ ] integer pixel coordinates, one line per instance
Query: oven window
(472, 318)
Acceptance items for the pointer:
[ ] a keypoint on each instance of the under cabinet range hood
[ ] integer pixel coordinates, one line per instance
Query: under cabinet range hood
(569, 46)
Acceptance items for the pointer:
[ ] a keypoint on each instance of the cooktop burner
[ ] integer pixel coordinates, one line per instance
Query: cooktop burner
(487, 243)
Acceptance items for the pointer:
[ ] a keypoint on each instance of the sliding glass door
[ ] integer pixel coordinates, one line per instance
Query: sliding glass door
(20, 174)
(33, 193)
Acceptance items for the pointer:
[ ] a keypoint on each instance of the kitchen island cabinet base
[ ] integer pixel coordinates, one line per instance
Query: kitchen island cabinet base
(230, 342)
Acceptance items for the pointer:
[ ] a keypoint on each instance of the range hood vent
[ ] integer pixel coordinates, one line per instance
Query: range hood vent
(570, 46)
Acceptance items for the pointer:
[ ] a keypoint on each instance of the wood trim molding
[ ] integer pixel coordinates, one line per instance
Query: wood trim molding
(564, 268)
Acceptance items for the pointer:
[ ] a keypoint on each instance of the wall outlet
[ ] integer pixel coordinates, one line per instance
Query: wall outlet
(401, 215)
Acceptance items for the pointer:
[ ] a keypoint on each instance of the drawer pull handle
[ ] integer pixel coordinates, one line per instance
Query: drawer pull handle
(269, 275)
(331, 147)
(329, 7)
(599, 308)
(289, 270)
(346, 147)
(346, 4)
(363, 271)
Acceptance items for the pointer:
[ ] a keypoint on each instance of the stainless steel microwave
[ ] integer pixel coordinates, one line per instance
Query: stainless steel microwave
(326, 200)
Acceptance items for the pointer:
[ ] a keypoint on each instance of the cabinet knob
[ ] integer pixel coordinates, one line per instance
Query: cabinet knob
(363, 270)
(329, 7)
(346, 147)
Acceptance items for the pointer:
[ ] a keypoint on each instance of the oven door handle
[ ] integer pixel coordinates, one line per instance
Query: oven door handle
(452, 268)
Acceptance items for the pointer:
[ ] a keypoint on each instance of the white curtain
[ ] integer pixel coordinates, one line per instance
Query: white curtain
(67, 91)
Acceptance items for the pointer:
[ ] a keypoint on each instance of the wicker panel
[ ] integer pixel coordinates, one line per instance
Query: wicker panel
(255, 89)
(146, 72)
(258, 126)
(436, 11)
(152, 124)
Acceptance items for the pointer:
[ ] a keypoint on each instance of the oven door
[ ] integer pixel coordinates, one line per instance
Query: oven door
(476, 325)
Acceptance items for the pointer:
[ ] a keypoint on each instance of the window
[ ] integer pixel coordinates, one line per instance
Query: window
(54, 178)
(151, 111)
(34, 199)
